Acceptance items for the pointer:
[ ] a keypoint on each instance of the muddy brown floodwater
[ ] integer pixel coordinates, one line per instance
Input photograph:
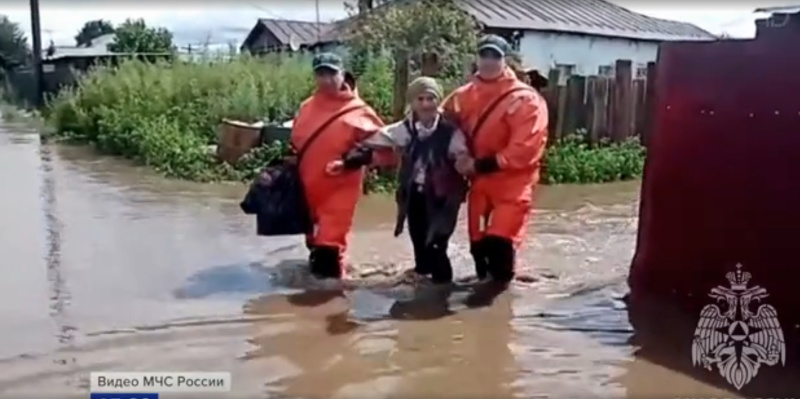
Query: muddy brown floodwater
(107, 266)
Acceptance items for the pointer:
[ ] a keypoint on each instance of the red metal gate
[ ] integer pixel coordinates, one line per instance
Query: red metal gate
(722, 179)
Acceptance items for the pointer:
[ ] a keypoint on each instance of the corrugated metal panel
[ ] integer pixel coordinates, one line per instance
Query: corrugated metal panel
(336, 31)
(781, 9)
(101, 41)
(591, 17)
(305, 32)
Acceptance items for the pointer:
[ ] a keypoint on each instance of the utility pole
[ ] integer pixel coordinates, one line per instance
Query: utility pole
(317, 7)
(36, 32)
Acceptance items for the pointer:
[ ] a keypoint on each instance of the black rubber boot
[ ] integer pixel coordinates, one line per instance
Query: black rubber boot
(310, 243)
(500, 252)
(324, 262)
(422, 262)
(479, 255)
(441, 268)
(312, 253)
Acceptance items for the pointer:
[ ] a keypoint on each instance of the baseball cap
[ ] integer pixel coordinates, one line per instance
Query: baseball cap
(327, 61)
(493, 42)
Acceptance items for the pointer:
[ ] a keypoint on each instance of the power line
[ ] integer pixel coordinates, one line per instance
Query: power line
(264, 10)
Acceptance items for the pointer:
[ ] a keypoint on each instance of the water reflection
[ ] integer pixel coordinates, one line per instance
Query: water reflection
(465, 354)
(317, 343)
(426, 303)
(424, 350)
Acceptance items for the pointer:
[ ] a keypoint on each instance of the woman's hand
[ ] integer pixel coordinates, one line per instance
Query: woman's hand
(465, 165)
(334, 168)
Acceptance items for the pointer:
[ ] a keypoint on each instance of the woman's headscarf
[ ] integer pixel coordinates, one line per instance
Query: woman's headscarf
(424, 84)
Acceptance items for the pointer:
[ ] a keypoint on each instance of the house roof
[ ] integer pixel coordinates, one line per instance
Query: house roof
(591, 17)
(97, 47)
(781, 9)
(303, 32)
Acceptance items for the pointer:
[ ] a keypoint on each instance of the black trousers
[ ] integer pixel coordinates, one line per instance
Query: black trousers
(429, 258)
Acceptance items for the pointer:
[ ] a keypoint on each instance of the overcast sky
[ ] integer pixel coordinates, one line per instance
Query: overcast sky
(223, 22)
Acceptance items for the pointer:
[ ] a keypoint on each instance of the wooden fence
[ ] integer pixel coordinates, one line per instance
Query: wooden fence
(614, 107)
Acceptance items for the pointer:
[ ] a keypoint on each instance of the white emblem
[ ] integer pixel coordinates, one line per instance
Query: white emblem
(737, 340)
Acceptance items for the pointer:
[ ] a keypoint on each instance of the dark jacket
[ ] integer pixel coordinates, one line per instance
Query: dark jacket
(445, 189)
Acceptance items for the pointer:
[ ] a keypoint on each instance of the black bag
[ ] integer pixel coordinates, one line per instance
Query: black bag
(277, 197)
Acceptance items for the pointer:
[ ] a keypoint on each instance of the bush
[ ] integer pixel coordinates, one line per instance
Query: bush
(574, 160)
(166, 115)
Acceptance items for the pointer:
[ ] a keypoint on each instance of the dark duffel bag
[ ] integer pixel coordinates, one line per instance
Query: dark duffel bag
(278, 201)
(277, 197)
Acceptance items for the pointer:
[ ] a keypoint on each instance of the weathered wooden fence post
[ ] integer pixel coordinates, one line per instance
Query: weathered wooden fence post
(574, 115)
(650, 101)
(551, 95)
(597, 103)
(639, 92)
(621, 101)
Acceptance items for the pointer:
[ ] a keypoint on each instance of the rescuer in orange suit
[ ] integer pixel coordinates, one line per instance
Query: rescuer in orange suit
(332, 168)
(506, 151)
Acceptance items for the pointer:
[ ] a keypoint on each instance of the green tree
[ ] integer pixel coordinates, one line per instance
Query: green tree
(415, 28)
(13, 43)
(417, 35)
(92, 30)
(134, 36)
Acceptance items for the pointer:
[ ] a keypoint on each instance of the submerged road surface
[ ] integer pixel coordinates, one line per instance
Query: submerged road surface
(107, 266)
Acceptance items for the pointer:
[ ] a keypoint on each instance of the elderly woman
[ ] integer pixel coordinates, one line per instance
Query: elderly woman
(430, 189)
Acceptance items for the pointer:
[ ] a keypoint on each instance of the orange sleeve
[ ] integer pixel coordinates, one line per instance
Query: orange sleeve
(448, 102)
(527, 118)
(451, 106)
(366, 124)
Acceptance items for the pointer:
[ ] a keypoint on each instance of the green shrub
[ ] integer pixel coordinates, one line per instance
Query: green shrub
(574, 160)
(166, 115)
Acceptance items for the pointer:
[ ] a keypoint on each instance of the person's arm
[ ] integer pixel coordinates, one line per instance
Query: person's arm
(527, 118)
(367, 128)
(385, 143)
(458, 145)
(392, 136)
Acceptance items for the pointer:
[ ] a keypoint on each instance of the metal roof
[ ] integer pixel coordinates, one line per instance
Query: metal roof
(305, 32)
(591, 17)
(101, 41)
(98, 47)
(780, 9)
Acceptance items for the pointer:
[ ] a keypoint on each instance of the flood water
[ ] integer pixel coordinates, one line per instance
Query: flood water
(109, 267)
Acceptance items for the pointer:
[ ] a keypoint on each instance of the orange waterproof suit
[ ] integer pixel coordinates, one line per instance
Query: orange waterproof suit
(508, 149)
(332, 198)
